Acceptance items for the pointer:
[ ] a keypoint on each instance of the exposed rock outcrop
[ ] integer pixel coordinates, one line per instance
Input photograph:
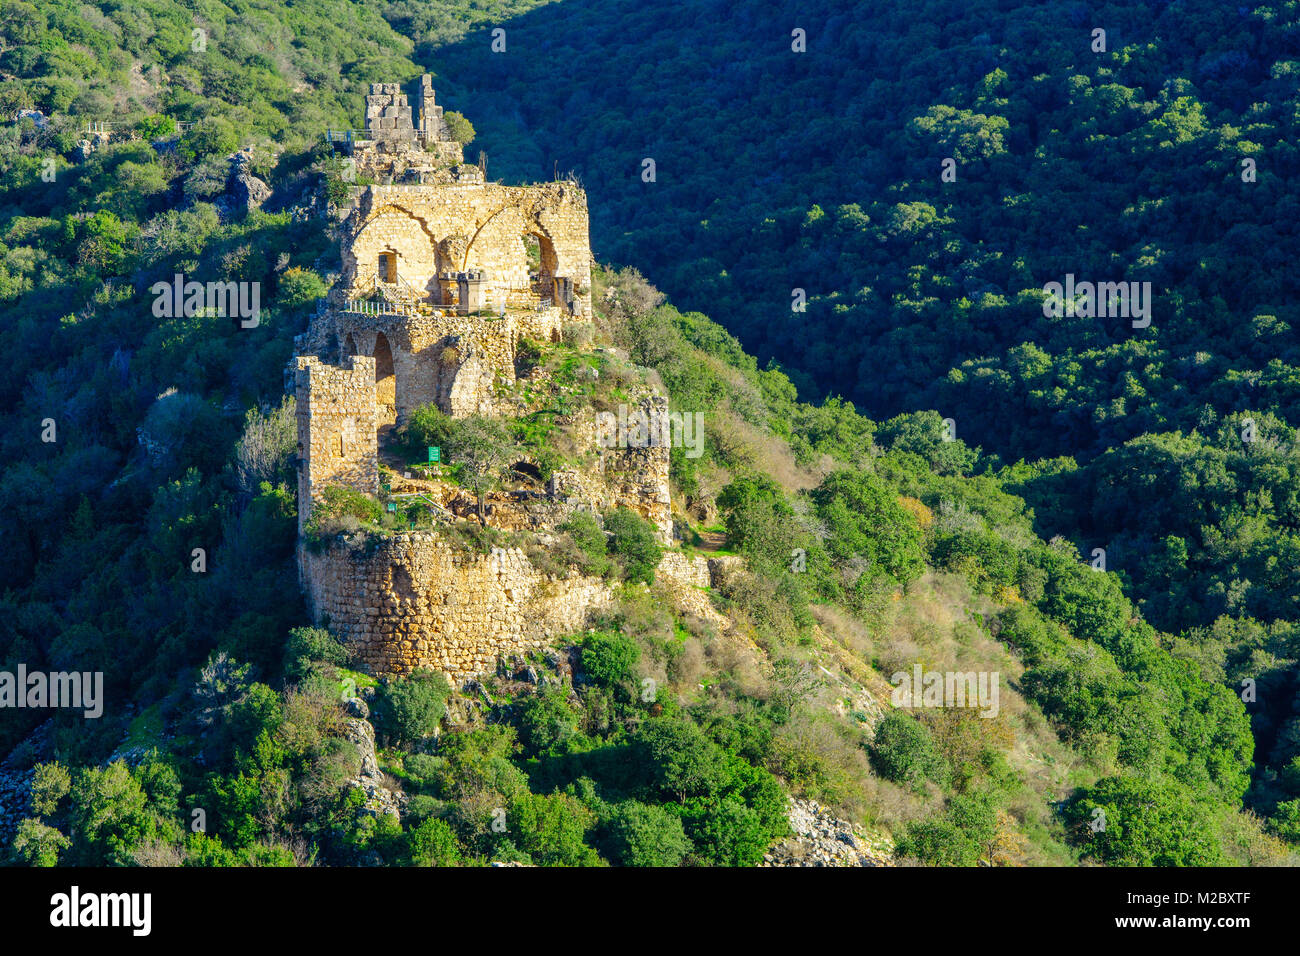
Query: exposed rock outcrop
(822, 839)
(381, 800)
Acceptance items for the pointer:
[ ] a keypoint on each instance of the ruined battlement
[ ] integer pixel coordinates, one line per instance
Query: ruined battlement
(528, 245)
(444, 274)
(417, 602)
(395, 133)
(337, 439)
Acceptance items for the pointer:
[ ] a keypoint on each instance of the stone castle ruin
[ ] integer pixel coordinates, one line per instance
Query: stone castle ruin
(444, 274)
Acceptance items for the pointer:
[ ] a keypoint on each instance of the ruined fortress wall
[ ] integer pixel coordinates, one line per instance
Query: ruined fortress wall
(638, 480)
(337, 443)
(457, 226)
(452, 360)
(416, 602)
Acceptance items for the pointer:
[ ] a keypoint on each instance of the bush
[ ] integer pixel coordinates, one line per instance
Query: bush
(551, 829)
(299, 286)
(610, 659)
(591, 552)
(730, 833)
(579, 335)
(547, 722)
(962, 836)
(462, 130)
(433, 843)
(679, 760)
(410, 708)
(308, 646)
(865, 521)
(37, 844)
(341, 509)
(427, 425)
(904, 752)
(266, 449)
(528, 355)
(641, 835)
(633, 544)
(1124, 821)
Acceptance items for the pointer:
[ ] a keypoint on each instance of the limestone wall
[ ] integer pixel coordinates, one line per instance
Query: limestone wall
(458, 226)
(638, 480)
(337, 443)
(417, 602)
(449, 359)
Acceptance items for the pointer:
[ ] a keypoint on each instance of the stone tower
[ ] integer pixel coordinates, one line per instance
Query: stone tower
(337, 435)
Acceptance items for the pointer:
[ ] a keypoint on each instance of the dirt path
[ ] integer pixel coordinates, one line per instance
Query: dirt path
(711, 540)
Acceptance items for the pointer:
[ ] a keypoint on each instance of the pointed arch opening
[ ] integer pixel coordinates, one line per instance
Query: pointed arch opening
(385, 381)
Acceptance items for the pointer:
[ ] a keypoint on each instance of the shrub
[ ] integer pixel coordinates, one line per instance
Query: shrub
(476, 763)
(266, 448)
(1145, 823)
(299, 286)
(730, 833)
(591, 552)
(904, 752)
(641, 835)
(962, 836)
(308, 646)
(410, 708)
(528, 355)
(579, 334)
(37, 844)
(610, 659)
(427, 425)
(679, 760)
(865, 520)
(462, 130)
(49, 786)
(341, 509)
(433, 843)
(551, 829)
(633, 544)
(547, 722)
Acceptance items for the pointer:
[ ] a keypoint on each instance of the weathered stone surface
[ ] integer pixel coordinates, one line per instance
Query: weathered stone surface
(417, 602)
(420, 254)
(337, 435)
(822, 839)
(380, 799)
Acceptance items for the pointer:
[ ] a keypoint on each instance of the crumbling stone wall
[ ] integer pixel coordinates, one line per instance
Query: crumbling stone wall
(337, 437)
(638, 480)
(416, 601)
(438, 230)
(450, 360)
(397, 137)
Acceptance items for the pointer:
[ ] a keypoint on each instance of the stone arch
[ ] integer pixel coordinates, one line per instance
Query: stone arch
(393, 209)
(347, 347)
(546, 268)
(527, 470)
(402, 238)
(385, 381)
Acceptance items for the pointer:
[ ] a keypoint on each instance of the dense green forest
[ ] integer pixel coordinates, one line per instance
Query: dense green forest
(775, 171)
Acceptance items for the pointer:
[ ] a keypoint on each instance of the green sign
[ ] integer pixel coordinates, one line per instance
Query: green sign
(435, 453)
(392, 506)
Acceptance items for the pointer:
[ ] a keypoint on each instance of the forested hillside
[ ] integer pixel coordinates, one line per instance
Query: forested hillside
(775, 170)
(1173, 447)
